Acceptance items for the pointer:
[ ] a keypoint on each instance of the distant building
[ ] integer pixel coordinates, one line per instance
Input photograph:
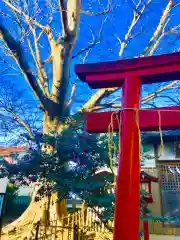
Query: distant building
(10, 155)
(166, 194)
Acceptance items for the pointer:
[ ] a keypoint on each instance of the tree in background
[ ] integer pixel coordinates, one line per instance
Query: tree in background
(41, 41)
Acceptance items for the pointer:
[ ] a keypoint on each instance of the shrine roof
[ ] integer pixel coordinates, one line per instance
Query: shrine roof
(146, 177)
(150, 69)
(9, 150)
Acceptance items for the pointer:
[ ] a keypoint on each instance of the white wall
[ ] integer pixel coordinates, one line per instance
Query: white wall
(3, 184)
(164, 237)
(148, 163)
(169, 152)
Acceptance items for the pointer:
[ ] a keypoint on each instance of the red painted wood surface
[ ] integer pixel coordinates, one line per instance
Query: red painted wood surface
(148, 75)
(130, 74)
(127, 204)
(112, 74)
(128, 64)
(146, 230)
(146, 178)
(148, 120)
(148, 199)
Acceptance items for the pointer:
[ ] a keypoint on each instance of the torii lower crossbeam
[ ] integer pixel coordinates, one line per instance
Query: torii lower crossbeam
(149, 120)
(130, 75)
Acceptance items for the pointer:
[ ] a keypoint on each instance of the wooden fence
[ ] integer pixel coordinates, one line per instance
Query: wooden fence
(85, 224)
(80, 225)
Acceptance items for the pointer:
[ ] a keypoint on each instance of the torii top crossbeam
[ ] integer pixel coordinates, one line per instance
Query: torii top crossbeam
(112, 74)
(130, 75)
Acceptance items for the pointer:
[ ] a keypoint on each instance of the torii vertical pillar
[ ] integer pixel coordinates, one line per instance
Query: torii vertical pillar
(130, 74)
(127, 193)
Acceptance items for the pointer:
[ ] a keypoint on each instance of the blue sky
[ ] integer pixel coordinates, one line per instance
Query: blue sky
(116, 25)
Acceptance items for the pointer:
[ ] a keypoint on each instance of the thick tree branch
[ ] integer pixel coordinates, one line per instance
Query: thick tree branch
(62, 54)
(157, 41)
(73, 91)
(106, 106)
(160, 27)
(73, 14)
(17, 53)
(96, 98)
(64, 20)
(40, 66)
(173, 31)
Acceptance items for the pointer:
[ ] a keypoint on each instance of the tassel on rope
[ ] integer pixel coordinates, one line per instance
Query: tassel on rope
(111, 145)
(112, 148)
(139, 131)
(161, 136)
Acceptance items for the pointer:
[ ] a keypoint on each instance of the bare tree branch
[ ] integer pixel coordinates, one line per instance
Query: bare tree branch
(93, 44)
(136, 17)
(160, 26)
(153, 44)
(104, 12)
(156, 93)
(177, 5)
(22, 123)
(145, 100)
(17, 53)
(158, 39)
(170, 98)
(27, 18)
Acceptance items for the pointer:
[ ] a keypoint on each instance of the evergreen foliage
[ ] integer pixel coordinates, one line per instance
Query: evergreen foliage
(67, 164)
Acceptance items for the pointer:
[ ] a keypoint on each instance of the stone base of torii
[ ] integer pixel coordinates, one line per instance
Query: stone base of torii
(131, 75)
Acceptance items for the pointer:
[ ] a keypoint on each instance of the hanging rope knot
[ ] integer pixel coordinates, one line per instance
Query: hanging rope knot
(112, 148)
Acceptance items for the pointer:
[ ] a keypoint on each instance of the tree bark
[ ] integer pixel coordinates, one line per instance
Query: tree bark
(31, 214)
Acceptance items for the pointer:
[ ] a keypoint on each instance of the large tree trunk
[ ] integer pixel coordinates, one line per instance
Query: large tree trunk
(31, 215)
(54, 103)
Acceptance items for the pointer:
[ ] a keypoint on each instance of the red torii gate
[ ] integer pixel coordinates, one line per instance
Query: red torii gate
(130, 75)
